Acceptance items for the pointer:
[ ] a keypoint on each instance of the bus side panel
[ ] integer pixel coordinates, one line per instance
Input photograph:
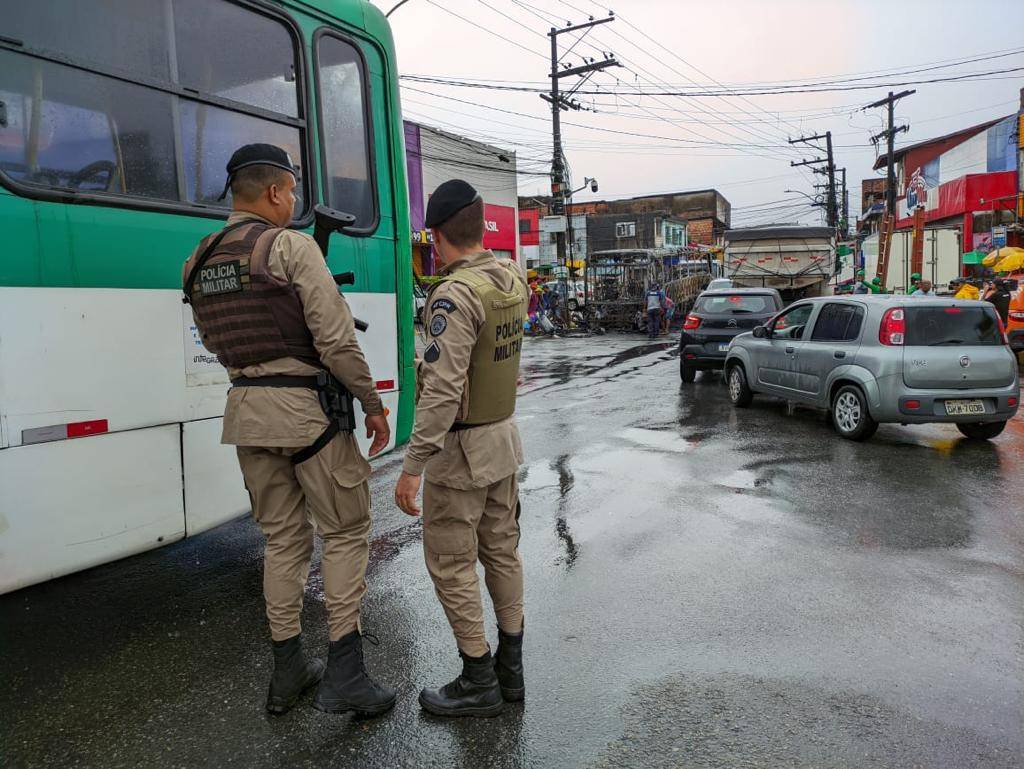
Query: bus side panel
(73, 504)
(77, 354)
(214, 490)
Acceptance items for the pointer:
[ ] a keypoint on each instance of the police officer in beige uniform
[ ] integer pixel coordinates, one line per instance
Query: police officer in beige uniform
(264, 301)
(466, 443)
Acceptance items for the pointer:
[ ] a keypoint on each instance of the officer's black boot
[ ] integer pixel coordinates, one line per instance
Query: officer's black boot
(346, 685)
(293, 674)
(508, 665)
(474, 693)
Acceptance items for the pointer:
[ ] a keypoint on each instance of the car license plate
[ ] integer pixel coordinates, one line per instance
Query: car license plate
(723, 348)
(959, 408)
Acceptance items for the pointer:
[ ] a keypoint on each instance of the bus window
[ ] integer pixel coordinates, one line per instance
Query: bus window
(209, 135)
(124, 35)
(69, 130)
(80, 130)
(343, 122)
(229, 51)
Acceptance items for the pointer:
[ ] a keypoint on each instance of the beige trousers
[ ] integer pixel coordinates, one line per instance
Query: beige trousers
(460, 527)
(287, 501)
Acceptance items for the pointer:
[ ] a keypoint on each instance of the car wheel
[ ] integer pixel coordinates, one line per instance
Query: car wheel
(850, 414)
(739, 391)
(687, 373)
(980, 431)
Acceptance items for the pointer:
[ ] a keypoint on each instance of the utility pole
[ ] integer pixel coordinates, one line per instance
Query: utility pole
(845, 198)
(889, 134)
(563, 101)
(828, 161)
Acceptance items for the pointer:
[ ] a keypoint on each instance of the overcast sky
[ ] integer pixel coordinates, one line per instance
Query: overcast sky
(678, 44)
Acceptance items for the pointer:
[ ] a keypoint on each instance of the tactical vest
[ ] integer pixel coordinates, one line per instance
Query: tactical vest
(247, 316)
(494, 363)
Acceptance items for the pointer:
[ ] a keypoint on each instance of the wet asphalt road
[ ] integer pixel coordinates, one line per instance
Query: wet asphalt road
(705, 588)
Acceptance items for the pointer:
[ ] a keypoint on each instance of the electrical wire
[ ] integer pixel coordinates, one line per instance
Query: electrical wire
(968, 77)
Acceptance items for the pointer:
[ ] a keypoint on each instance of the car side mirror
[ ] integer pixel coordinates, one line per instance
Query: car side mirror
(761, 332)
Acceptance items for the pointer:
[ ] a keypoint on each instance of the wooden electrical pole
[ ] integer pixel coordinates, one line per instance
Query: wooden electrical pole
(889, 134)
(560, 102)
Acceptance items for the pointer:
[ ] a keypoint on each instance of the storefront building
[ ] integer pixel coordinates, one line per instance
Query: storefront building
(433, 157)
(967, 180)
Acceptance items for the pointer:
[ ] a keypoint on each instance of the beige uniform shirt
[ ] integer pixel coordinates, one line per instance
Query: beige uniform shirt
(478, 456)
(292, 417)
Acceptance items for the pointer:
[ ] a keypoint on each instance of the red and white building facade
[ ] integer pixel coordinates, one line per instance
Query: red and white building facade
(967, 180)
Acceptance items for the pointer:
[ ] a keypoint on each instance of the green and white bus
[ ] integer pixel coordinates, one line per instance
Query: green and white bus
(116, 120)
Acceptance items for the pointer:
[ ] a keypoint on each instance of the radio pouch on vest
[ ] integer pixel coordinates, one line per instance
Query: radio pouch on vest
(335, 400)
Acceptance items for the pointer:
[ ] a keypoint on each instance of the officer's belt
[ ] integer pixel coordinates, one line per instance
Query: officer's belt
(308, 383)
(458, 427)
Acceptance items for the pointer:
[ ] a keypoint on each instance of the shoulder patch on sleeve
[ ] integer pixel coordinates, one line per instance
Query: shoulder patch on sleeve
(432, 353)
(443, 304)
(438, 324)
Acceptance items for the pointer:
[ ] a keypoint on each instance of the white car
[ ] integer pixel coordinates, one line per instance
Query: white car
(574, 286)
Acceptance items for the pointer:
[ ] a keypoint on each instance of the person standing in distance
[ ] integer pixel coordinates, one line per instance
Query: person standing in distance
(466, 442)
(655, 304)
(265, 303)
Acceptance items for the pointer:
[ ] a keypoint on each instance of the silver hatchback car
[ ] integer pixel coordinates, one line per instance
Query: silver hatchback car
(872, 359)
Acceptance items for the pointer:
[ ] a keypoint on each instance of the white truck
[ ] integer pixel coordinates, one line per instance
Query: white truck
(796, 260)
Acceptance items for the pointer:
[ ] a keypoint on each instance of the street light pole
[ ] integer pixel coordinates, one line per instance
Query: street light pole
(399, 5)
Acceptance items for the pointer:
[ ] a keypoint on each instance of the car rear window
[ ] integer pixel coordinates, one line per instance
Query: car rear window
(737, 303)
(952, 326)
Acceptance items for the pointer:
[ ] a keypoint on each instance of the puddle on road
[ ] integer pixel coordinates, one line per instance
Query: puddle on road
(538, 475)
(742, 479)
(657, 439)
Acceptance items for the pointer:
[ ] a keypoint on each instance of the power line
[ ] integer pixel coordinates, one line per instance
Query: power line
(972, 76)
(486, 29)
(758, 135)
(709, 142)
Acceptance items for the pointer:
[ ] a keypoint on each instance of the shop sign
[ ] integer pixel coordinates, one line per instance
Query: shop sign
(500, 225)
(551, 224)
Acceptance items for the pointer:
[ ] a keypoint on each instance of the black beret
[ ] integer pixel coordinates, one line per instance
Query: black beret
(260, 155)
(257, 155)
(448, 199)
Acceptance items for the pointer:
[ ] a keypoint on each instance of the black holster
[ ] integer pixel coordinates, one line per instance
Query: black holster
(335, 400)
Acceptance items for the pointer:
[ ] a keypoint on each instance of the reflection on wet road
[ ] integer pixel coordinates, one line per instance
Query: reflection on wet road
(705, 588)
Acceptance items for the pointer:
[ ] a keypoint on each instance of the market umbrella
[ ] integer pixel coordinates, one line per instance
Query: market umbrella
(995, 256)
(974, 257)
(1012, 261)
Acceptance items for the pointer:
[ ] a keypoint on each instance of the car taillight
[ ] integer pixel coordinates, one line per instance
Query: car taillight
(1011, 401)
(692, 322)
(893, 329)
(1017, 315)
